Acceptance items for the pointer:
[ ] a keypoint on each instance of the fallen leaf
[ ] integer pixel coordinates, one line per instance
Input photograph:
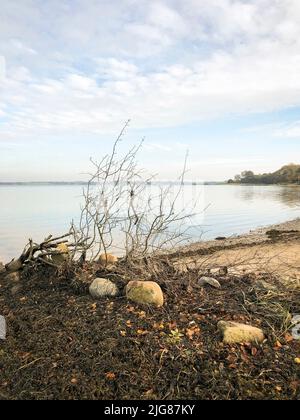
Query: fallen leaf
(288, 338)
(149, 393)
(254, 351)
(190, 332)
(94, 306)
(142, 332)
(74, 381)
(123, 333)
(110, 376)
(297, 360)
(158, 326)
(278, 345)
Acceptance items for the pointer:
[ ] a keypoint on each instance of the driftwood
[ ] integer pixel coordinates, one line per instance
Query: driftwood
(41, 253)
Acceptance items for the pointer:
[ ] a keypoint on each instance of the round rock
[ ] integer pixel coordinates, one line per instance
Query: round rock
(103, 287)
(148, 292)
(234, 332)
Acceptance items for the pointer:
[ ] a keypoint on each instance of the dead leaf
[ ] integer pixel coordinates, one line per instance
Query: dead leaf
(142, 314)
(149, 393)
(278, 345)
(254, 351)
(288, 338)
(297, 360)
(142, 332)
(192, 331)
(158, 326)
(110, 376)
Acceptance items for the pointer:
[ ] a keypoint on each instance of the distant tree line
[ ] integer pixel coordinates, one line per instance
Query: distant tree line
(288, 174)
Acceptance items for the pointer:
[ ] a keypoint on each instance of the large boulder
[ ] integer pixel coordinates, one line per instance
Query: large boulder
(148, 292)
(234, 332)
(103, 287)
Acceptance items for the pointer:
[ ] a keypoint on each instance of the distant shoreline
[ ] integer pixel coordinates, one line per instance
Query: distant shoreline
(82, 183)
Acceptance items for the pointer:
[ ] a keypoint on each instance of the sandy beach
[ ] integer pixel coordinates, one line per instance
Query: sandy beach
(256, 252)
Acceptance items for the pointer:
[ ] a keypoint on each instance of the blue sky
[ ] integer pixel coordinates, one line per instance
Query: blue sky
(219, 78)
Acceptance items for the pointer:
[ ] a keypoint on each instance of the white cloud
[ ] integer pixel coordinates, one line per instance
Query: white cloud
(288, 131)
(22, 48)
(162, 147)
(90, 66)
(112, 68)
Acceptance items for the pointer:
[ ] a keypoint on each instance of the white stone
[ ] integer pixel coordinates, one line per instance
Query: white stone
(103, 287)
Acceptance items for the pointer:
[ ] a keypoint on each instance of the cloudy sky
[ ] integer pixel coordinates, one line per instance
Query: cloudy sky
(217, 77)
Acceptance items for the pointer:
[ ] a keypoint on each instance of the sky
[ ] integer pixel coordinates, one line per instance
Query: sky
(217, 78)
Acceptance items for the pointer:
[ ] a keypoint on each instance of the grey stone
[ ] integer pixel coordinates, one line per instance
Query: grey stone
(2, 328)
(296, 327)
(209, 280)
(102, 288)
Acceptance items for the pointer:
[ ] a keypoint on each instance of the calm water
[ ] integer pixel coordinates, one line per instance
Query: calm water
(37, 211)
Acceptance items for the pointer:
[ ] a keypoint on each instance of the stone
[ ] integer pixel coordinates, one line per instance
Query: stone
(2, 328)
(62, 254)
(148, 292)
(209, 280)
(108, 259)
(234, 332)
(296, 327)
(103, 287)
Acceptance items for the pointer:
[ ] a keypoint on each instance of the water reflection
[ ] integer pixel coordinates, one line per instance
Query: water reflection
(287, 195)
(224, 210)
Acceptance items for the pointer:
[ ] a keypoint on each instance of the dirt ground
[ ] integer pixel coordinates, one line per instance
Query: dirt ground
(62, 344)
